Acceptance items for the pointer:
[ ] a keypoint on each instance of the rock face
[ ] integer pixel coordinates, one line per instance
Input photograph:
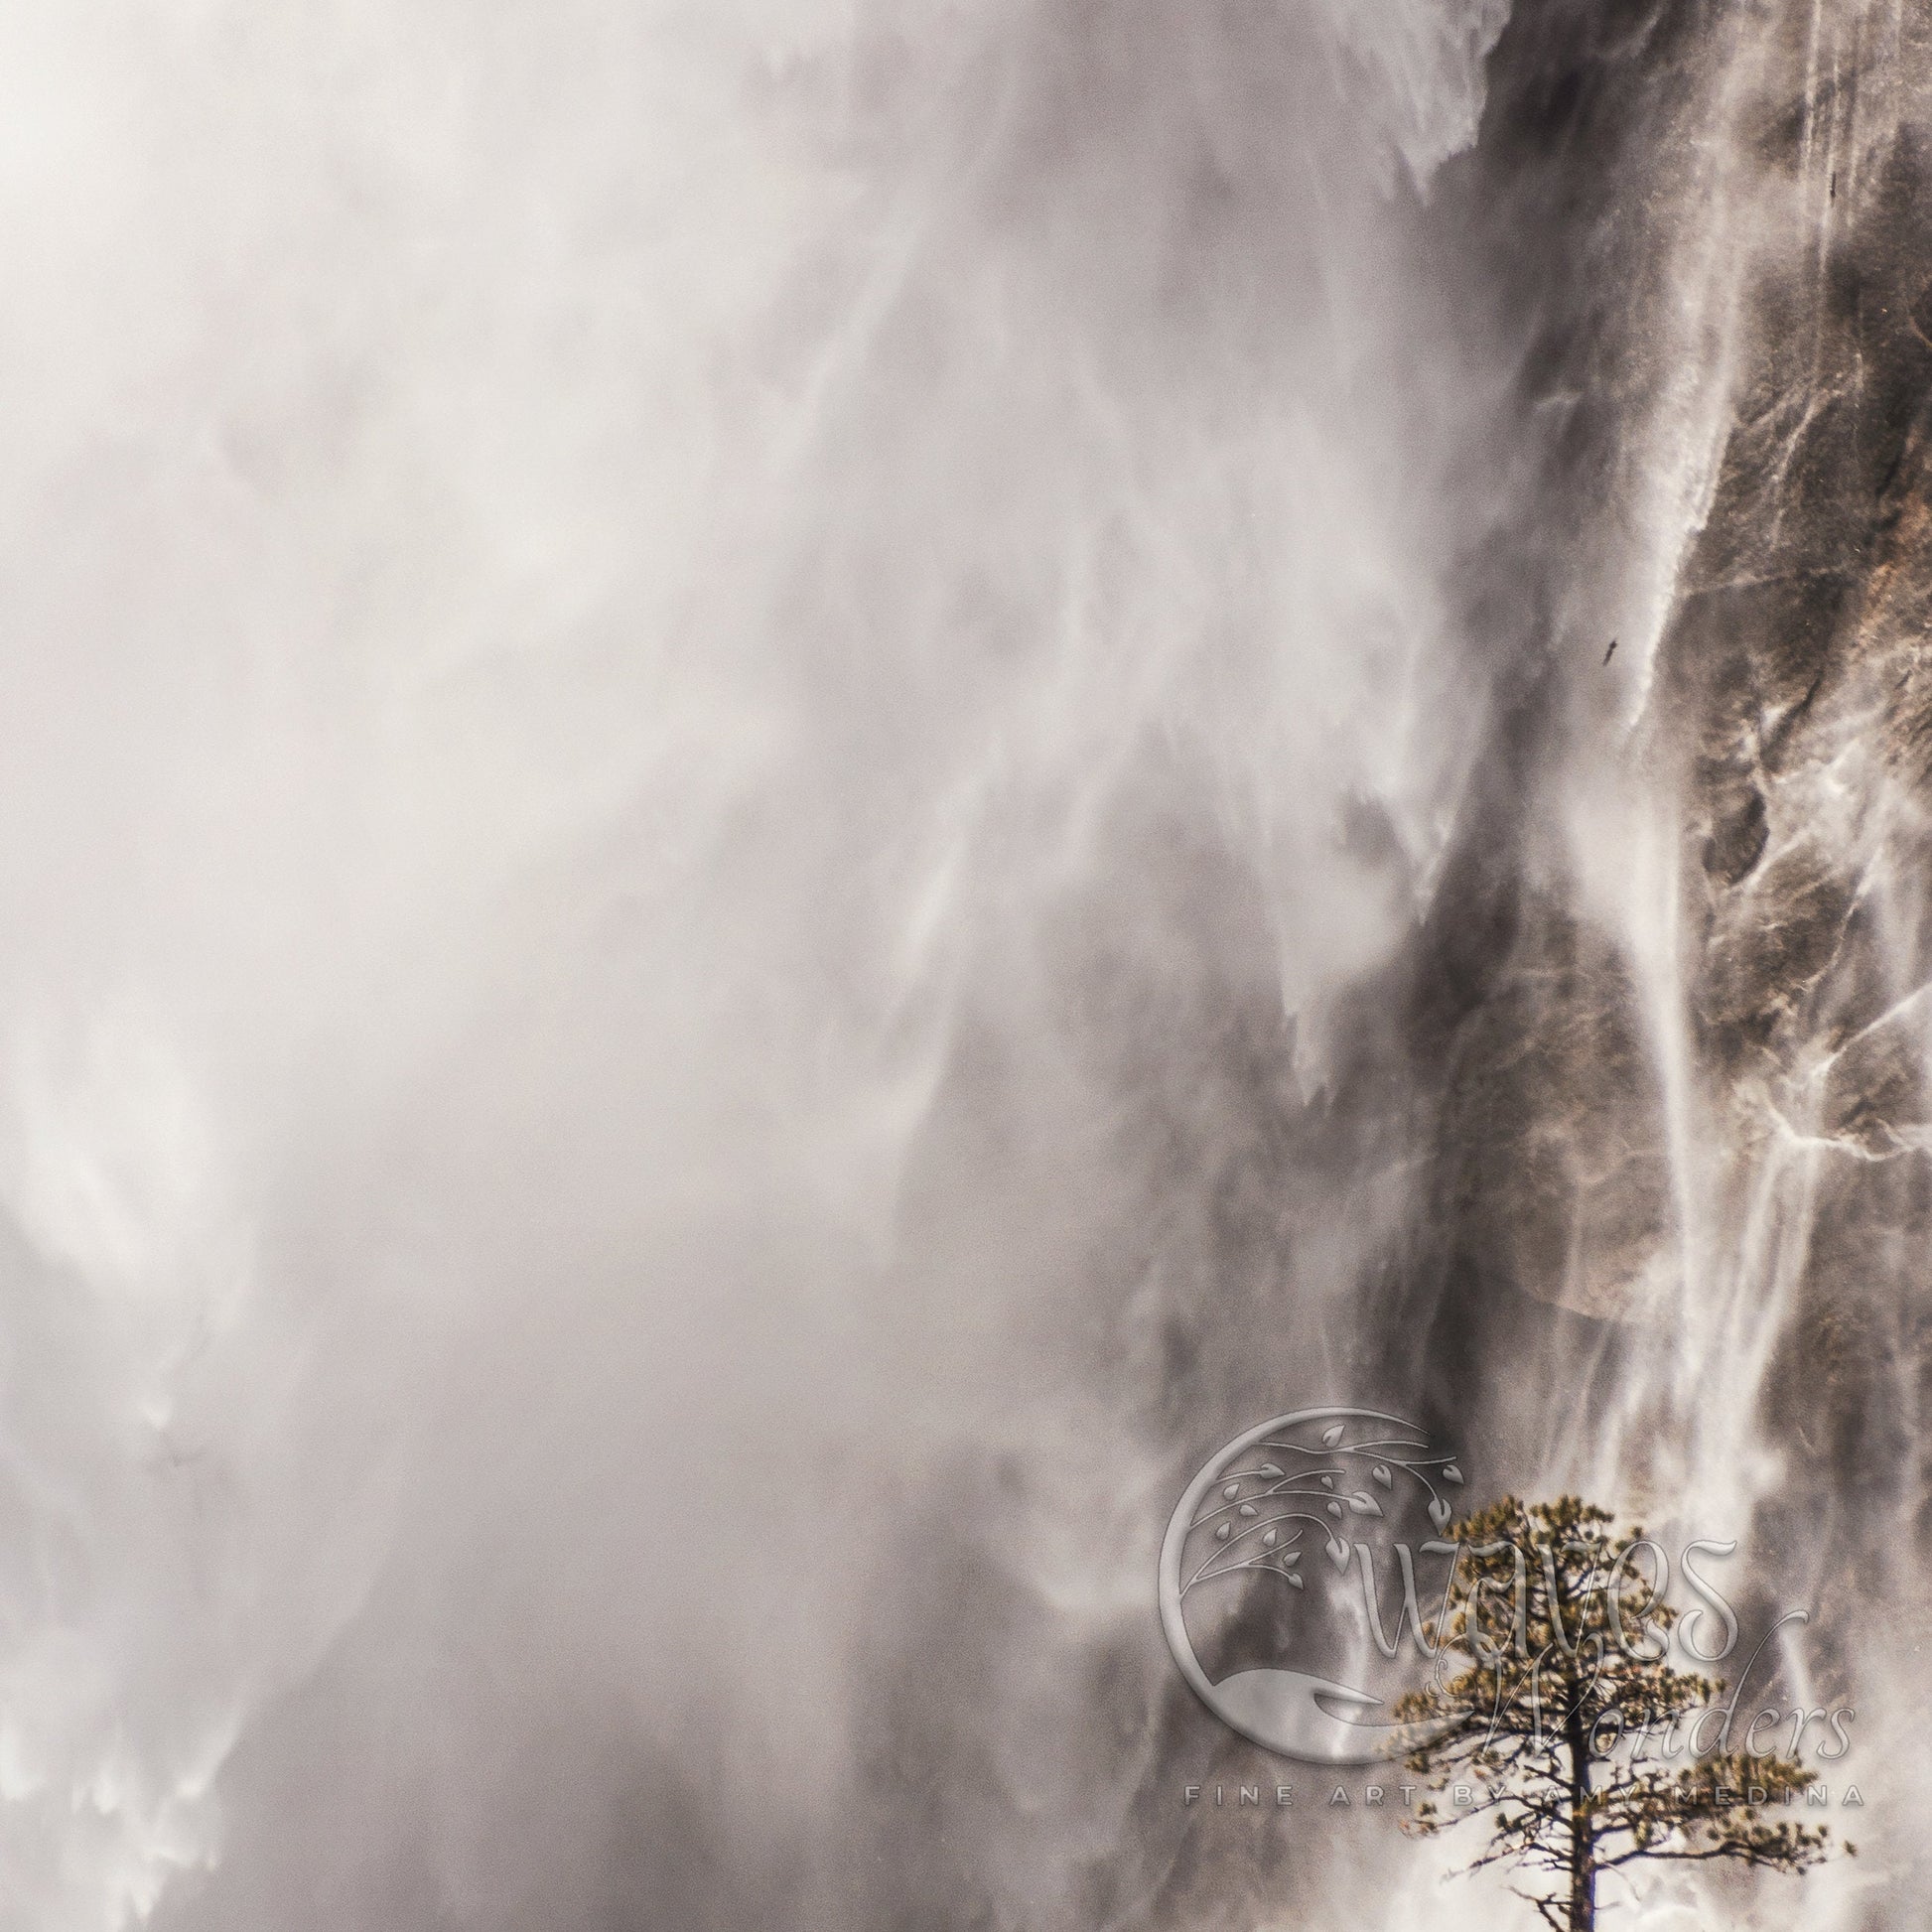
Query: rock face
(1793, 693)
(1778, 713)
(1705, 1114)
(1668, 1056)
(1554, 1123)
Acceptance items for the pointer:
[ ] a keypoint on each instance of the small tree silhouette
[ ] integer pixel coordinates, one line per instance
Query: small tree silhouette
(1550, 1690)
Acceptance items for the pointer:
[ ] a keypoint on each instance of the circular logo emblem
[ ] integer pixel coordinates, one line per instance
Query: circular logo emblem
(1342, 1511)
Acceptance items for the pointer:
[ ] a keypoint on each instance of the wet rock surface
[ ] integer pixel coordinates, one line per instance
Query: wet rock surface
(1561, 1181)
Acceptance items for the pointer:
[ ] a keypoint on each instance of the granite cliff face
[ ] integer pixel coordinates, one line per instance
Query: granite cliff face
(1733, 295)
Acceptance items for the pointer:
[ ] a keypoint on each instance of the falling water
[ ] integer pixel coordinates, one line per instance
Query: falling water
(794, 786)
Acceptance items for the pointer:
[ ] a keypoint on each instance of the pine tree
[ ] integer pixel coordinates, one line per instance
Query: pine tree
(1554, 1702)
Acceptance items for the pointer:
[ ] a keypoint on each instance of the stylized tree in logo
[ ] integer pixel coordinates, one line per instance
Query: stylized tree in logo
(1251, 1508)
(1554, 1702)
(1262, 1512)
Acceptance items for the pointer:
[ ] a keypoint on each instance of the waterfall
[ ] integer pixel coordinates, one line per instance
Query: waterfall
(796, 787)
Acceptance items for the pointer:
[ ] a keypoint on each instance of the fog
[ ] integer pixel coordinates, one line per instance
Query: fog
(778, 782)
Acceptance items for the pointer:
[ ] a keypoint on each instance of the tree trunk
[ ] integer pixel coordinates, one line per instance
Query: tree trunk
(1583, 1846)
(1583, 1882)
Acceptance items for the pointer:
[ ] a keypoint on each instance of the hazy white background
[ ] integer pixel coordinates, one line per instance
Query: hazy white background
(591, 590)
